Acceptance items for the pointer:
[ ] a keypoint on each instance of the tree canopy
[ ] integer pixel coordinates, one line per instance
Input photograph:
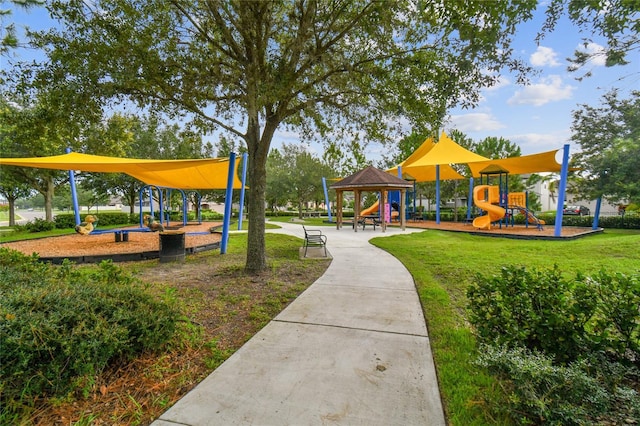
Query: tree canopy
(609, 138)
(339, 71)
(618, 21)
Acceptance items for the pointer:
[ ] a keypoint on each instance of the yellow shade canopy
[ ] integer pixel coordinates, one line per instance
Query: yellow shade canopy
(446, 151)
(425, 173)
(209, 173)
(535, 163)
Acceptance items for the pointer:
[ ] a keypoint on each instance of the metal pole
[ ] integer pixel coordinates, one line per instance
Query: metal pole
(563, 188)
(245, 157)
(74, 193)
(227, 204)
(326, 197)
(438, 194)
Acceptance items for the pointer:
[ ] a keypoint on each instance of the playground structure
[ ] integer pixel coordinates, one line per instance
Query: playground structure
(498, 203)
(188, 174)
(488, 198)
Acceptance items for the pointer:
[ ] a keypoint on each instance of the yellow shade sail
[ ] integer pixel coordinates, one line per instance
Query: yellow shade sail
(446, 151)
(209, 173)
(425, 173)
(534, 163)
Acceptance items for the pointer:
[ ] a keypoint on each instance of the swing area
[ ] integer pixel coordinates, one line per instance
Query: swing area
(163, 232)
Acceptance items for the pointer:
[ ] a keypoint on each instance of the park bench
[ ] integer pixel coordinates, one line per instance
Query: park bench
(314, 238)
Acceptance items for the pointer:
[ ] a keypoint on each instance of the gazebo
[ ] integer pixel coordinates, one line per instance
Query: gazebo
(370, 180)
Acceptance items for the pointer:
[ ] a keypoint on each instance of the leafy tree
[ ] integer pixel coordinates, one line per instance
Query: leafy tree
(618, 21)
(609, 138)
(32, 130)
(8, 37)
(344, 71)
(494, 147)
(12, 189)
(129, 136)
(295, 176)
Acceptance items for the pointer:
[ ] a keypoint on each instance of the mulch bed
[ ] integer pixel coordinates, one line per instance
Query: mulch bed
(516, 231)
(93, 248)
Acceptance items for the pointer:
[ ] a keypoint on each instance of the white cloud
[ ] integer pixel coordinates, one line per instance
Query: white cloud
(475, 122)
(544, 56)
(532, 143)
(549, 89)
(502, 82)
(596, 51)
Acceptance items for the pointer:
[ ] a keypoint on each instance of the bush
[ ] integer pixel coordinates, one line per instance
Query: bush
(66, 220)
(38, 225)
(60, 326)
(544, 393)
(542, 310)
(559, 341)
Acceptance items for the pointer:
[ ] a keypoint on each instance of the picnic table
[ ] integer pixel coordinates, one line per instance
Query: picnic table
(310, 214)
(371, 219)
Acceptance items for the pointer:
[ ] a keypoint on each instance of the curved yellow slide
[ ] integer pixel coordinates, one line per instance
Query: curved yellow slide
(483, 197)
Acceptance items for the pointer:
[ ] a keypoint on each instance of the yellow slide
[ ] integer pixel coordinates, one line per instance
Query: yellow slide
(370, 210)
(490, 195)
(518, 200)
(373, 210)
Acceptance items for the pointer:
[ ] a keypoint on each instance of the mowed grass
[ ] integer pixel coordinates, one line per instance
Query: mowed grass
(443, 265)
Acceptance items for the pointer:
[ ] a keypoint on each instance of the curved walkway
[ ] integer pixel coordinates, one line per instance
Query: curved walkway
(351, 350)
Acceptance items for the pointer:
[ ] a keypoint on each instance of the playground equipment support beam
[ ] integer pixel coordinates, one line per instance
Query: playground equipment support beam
(227, 204)
(596, 218)
(438, 194)
(74, 193)
(245, 158)
(470, 199)
(326, 197)
(561, 191)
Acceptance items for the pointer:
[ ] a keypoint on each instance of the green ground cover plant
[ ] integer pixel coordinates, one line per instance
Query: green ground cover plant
(567, 345)
(218, 308)
(444, 265)
(62, 326)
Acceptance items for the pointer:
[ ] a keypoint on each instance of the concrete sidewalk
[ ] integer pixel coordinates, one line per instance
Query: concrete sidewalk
(351, 350)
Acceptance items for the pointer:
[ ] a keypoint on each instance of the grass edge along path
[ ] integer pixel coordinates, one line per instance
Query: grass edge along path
(443, 265)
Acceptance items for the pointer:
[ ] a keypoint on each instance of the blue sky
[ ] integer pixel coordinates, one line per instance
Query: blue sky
(535, 117)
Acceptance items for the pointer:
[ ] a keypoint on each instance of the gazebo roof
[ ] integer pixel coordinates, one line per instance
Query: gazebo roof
(371, 179)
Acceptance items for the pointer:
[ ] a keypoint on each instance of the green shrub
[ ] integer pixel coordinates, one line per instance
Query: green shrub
(533, 309)
(60, 326)
(66, 220)
(540, 392)
(38, 225)
(568, 348)
(565, 318)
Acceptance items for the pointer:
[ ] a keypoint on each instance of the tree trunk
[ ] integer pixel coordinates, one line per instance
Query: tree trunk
(48, 199)
(258, 150)
(12, 211)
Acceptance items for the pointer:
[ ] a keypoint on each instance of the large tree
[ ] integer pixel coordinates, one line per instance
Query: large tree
(340, 70)
(617, 21)
(609, 138)
(295, 175)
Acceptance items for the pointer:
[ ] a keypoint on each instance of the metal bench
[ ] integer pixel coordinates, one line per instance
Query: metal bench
(314, 238)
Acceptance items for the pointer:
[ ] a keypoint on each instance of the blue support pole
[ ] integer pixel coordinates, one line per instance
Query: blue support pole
(596, 218)
(74, 192)
(438, 194)
(561, 191)
(470, 199)
(228, 201)
(326, 197)
(245, 157)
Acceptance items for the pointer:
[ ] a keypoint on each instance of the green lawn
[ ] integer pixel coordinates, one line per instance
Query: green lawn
(443, 265)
